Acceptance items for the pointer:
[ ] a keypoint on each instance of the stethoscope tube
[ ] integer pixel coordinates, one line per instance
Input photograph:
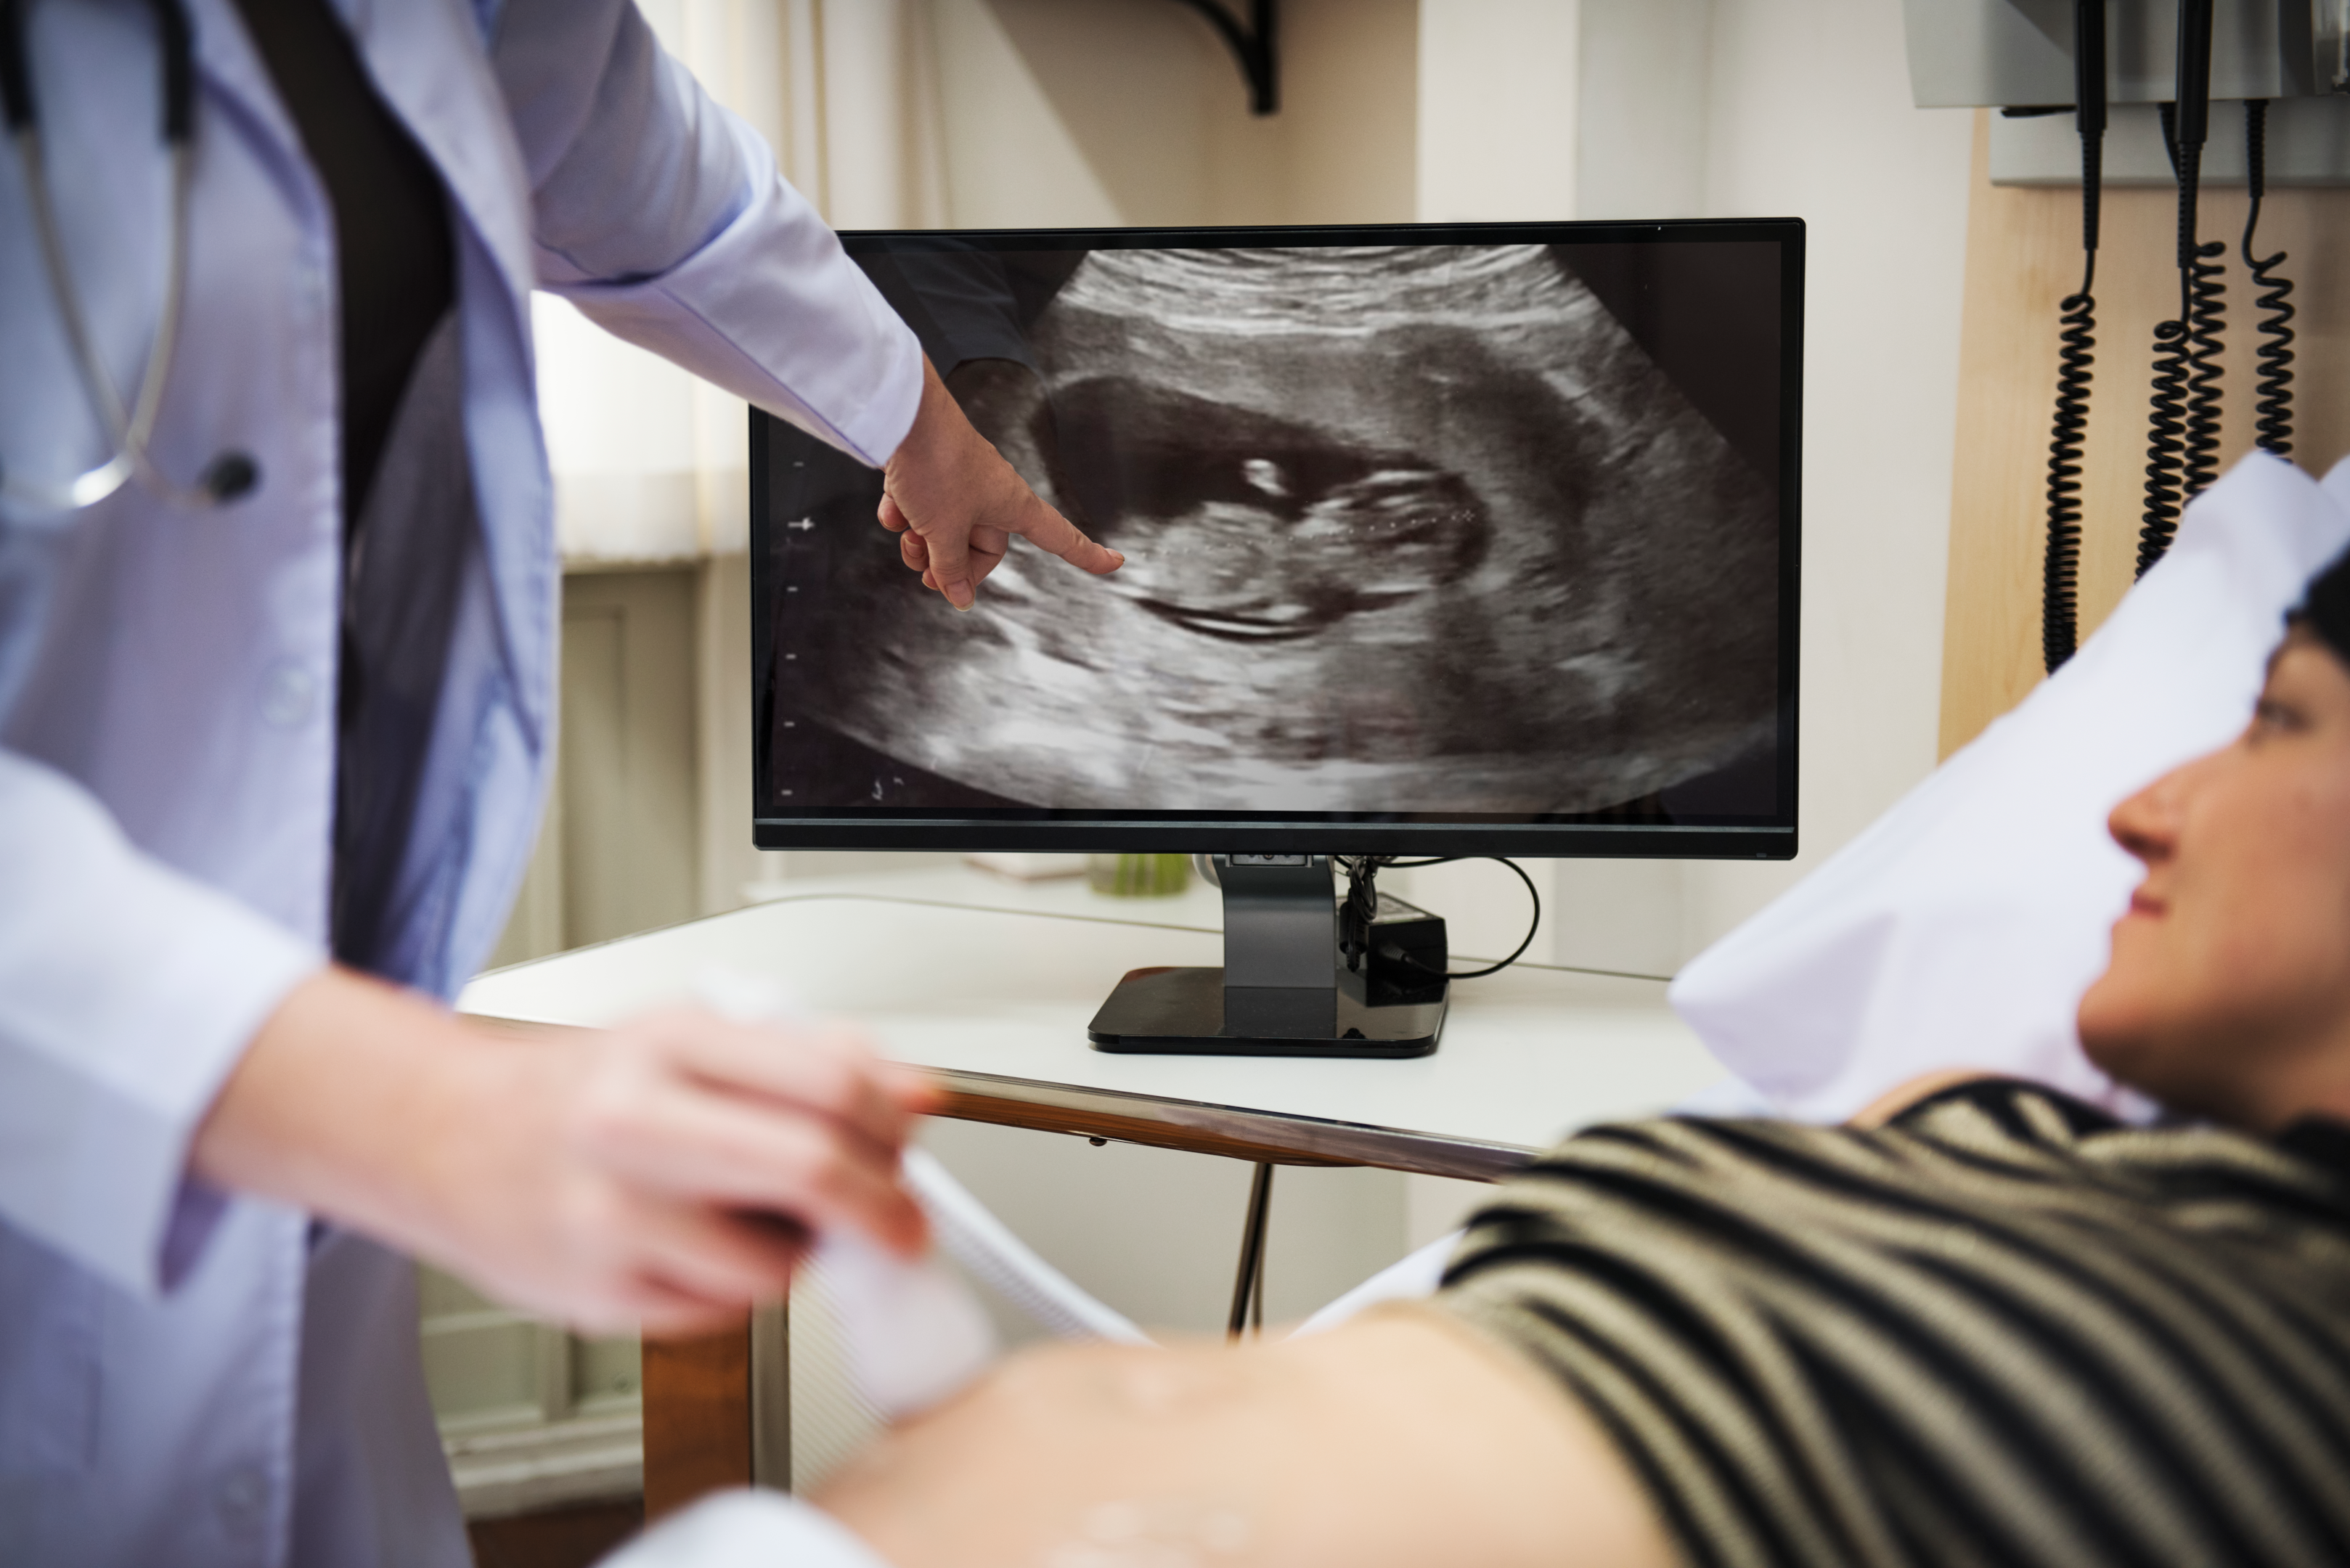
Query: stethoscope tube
(232, 474)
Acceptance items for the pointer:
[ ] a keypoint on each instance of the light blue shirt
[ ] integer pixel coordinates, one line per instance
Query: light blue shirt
(187, 1378)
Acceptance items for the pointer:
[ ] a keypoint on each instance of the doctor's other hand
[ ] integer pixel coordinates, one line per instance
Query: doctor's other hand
(663, 1175)
(955, 504)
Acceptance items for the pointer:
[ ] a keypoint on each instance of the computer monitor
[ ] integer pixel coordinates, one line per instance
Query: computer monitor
(1441, 540)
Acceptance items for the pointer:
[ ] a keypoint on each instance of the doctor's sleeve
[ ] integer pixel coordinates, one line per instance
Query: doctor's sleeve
(128, 991)
(661, 216)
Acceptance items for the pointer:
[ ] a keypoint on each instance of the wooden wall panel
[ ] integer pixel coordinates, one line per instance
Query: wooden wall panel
(2023, 258)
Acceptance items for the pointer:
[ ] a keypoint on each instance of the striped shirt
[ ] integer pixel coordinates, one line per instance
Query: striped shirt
(2002, 1330)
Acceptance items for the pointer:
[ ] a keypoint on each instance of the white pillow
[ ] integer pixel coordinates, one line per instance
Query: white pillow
(1962, 927)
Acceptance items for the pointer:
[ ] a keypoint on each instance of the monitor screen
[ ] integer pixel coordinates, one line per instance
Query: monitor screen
(1473, 539)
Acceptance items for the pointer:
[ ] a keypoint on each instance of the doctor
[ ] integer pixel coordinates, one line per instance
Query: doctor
(278, 601)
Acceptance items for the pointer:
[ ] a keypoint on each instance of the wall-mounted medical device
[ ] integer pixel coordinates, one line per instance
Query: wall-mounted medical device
(2170, 92)
(2017, 55)
(2008, 53)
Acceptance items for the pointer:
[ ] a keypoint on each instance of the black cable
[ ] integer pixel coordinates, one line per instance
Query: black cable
(2060, 614)
(2273, 384)
(1362, 906)
(2060, 568)
(2202, 294)
(2207, 311)
(1363, 903)
(2164, 446)
(2182, 439)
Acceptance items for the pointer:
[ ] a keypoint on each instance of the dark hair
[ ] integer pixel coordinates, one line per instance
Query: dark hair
(2325, 607)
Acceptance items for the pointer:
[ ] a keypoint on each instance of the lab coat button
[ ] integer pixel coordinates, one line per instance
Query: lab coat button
(242, 1496)
(287, 693)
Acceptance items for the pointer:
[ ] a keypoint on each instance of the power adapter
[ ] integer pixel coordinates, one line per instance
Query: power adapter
(1404, 952)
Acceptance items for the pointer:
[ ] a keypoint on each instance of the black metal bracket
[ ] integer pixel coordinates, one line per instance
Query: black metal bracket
(1252, 47)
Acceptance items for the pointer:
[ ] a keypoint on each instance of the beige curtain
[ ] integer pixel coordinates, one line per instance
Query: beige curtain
(649, 463)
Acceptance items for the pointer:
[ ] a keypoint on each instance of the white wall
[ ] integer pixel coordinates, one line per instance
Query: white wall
(1642, 98)
(1810, 114)
(1072, 113)
(1082, 113)
(1498, 120)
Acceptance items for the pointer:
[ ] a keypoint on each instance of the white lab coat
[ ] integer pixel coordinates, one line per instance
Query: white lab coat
(186, 1378)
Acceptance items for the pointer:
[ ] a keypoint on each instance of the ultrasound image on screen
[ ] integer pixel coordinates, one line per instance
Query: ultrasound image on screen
(1408, 529)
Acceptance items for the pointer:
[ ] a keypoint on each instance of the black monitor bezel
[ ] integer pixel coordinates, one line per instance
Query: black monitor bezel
(1352, 833)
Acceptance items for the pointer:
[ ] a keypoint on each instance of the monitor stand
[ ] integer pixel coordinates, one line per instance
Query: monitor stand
(1284, 990)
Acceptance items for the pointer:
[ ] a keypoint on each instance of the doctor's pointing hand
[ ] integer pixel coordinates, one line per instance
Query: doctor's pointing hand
(955, 505)
(278, 604)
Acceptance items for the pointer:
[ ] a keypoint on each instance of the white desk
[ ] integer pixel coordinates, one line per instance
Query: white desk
(988, 984)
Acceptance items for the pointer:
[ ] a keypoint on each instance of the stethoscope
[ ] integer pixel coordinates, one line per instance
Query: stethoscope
(230, 475)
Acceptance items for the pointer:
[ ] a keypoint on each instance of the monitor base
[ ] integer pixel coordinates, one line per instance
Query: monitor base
(1180, 1012)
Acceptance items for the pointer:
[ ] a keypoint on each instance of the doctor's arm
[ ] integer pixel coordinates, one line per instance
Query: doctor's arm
(661, 216)
(163, 1044)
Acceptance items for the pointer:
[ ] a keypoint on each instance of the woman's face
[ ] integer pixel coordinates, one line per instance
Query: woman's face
(2228, 992)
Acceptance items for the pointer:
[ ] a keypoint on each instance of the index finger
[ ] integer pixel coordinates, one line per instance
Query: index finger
(1046, 529)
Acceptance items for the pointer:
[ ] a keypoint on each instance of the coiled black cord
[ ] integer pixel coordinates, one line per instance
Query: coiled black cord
(2273, 360)
(2183, 433)
(2061, 570)
(2182, 439)
(2060, 613)
(2207, 315)
(2165, 445)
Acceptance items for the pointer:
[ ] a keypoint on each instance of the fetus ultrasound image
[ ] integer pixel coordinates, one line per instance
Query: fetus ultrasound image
(1410, 531)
